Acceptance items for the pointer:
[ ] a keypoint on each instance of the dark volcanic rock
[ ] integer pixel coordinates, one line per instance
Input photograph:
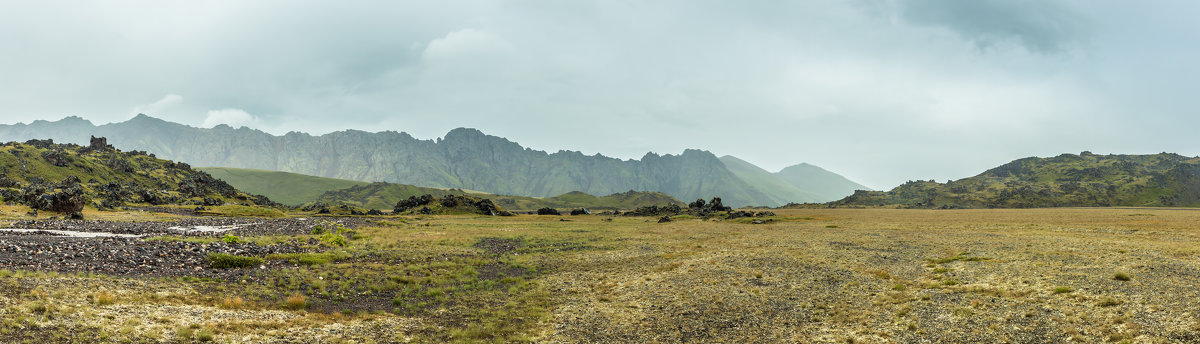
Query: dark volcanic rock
(655, 210)
(412, 202)
(548, 211)
(580, 211)
(100, 144)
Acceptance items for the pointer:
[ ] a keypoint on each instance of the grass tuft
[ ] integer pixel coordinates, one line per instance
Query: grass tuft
(103, 298)
(228, 261)
(296, 301)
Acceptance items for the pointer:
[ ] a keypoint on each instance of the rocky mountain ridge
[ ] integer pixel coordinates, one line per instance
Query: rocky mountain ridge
(463, 158)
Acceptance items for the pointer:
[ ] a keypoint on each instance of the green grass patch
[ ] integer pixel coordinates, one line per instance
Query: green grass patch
(229, 261)
(243, 211)
(309, 258)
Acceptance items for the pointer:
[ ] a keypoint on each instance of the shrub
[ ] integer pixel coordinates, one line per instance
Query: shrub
(185, 333)
(296, 301)
(232, 302)
(1121, 276)
(226, 261)
(1063, 290)
(205, 335)
(331, 233)
(230, 239)
(103, 298)
(1108, 302)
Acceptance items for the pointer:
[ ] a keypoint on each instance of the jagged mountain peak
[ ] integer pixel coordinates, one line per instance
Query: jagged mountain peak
(464, 158)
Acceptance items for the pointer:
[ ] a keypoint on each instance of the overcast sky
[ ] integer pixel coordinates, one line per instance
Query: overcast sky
(881, 91)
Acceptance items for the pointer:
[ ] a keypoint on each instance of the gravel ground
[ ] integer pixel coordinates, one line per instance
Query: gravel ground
(128, 256)
(194, 226)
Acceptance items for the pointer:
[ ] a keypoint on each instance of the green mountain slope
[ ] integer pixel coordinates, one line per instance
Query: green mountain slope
(283, 187)
(828, 186)
(383, 196)
(464, 158)
(1067, 180)
(45, 175)
(780, 192)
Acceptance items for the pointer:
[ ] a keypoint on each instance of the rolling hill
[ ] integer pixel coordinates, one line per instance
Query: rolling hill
(67, 177)
(1068, 180)
(283, 187)
(463, 158)
(383, 196)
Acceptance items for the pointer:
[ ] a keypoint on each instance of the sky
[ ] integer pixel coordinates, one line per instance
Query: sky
(880, 91)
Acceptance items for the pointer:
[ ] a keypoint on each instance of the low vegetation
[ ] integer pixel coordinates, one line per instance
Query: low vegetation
(811, 275)
(229, 261)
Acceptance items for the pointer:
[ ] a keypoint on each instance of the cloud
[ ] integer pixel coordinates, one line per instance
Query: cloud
(232, 117)
(464, 43)
(1046, 26)
(167, 102)
(881, 90)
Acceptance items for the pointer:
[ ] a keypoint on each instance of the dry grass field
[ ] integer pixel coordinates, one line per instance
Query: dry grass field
(811, 275)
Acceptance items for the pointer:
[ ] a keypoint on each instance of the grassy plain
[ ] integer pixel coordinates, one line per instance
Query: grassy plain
(812, 275)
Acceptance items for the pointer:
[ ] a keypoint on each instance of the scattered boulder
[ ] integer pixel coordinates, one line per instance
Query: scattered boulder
(8, 183)
(655, 210)
(412, 202)
(742, 213)
(57, 157)
(68, 201)
(374, 212)
(548, 211)
(738, 214)
(580, 211)
(664, 219)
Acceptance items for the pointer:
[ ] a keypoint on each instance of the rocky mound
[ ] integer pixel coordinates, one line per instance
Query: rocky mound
(448, 204)
(66, 177)
(714, 208)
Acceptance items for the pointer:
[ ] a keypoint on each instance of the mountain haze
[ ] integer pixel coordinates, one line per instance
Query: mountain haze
(801, 183)
(767, 183)
(828, 185)
(464, 158)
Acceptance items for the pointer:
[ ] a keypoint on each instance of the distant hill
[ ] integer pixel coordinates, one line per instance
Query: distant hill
(382, 196)
(802, 183)
(1068, 180)
(828, 186)
(67, 177)
(283, 187)
(464, 158)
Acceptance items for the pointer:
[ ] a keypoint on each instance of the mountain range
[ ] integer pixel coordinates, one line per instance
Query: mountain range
(1067, 180)
(464, 158)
